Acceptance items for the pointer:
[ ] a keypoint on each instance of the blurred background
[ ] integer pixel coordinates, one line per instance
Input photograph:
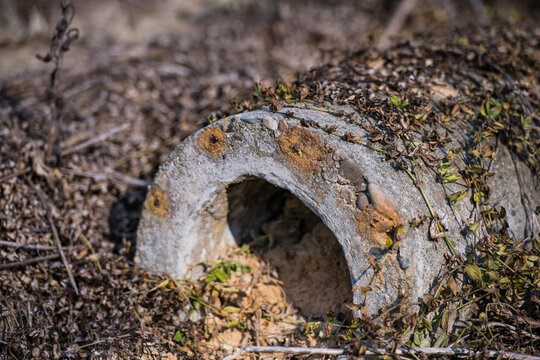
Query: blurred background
(280, 36)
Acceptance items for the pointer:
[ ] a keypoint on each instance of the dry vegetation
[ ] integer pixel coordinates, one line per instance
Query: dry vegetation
(80, 192)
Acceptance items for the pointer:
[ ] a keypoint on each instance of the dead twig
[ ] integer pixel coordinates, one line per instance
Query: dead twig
(60, 42)
(257, 325)
(77, 348)
(50, 219)
(95, 140)
(286, 350)
(5, 178)
(84, 174)
(128, 179)
(395, 23)
(435, 351)
(104, 176)
(29, 261)
(27, 246)
(513, 329)
(61, 251)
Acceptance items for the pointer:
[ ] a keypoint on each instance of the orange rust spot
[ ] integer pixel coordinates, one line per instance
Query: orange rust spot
(301, 148)
(157, 202)
(212, 140)
(375, 227)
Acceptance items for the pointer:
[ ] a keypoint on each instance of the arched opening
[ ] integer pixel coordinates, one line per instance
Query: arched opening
(295, 242)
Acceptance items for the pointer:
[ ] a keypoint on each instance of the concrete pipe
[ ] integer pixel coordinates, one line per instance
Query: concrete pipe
(227, 178)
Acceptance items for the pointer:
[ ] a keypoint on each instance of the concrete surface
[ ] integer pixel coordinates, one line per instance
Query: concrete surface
(355, 190)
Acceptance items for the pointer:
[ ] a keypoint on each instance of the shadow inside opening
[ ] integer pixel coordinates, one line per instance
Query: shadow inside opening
(295, 242)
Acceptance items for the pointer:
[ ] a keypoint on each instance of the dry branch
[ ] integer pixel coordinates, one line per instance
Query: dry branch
(50, 219)
(395, 23)
(513, 329)
(85, 174)
(28, 262)
(108, 174)
(95, 140)
(27, 246)
(60, 42)
(77, 348)
(432, 351)
(61, 251)
(15, 174)
(128, 179)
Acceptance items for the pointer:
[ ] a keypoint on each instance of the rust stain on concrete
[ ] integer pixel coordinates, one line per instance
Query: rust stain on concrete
(301, 148)
(158, 202)
(212, 140)
(376, 227)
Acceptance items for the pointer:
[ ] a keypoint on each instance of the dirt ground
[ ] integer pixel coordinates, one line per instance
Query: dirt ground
(141, 77)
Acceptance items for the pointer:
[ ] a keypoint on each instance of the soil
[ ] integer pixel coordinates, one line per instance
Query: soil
(163, 71)
(313, 269)
(296, 245)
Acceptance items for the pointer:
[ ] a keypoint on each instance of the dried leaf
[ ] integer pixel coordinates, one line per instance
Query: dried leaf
(364, 289)
(452, 285)
(474, 272)
(434, 230)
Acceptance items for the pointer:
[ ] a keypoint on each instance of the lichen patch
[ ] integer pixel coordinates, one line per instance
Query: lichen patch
(212, 140)
(158, 202)
(301, 148)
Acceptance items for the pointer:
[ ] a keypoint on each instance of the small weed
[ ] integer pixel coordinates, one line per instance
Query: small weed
(222, 270)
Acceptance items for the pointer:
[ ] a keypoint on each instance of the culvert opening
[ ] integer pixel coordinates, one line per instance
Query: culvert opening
(295, 243)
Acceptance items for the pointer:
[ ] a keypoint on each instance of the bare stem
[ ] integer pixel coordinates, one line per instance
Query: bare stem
(29, 261)
(439, 351)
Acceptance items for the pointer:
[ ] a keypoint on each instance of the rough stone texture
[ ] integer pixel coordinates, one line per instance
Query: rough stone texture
(185, 217)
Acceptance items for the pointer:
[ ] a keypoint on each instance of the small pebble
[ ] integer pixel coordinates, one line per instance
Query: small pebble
(226, 125)
(283, 126)
(330, 177)
(180, 318)
(250, 118)
(328, 160)
(351, 170)
(197, 271)
(382, 202)
(361, 187)
(194, 315)
(346, 195)
(270, 123)
(362, 201)
(403, 263)
(336, 155)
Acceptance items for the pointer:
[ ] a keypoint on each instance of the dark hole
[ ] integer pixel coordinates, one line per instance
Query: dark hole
(304, 252)
(213, 139)
(124, 219)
